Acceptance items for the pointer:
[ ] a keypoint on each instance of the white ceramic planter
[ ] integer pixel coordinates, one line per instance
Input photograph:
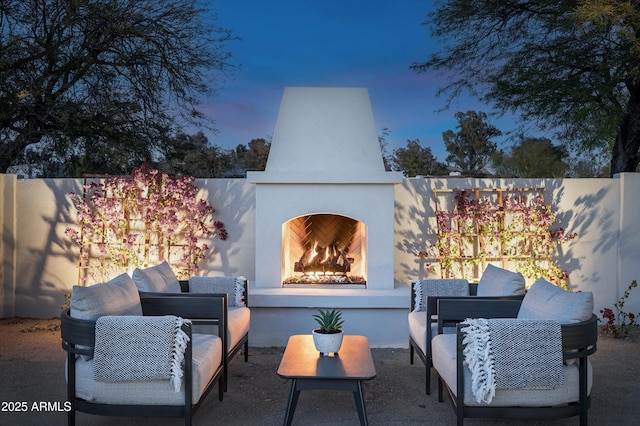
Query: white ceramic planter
(327, 343)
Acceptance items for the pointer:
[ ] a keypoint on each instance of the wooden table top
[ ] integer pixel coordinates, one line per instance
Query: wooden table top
(301, 360)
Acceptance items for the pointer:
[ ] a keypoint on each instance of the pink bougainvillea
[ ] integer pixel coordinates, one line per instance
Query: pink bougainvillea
(479, 230)
(140, 220)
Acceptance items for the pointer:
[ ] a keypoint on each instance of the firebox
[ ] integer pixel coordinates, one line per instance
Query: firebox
(323, 249)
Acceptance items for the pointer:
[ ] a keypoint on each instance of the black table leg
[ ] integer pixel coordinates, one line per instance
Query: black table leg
(354, 386)
(294, 393)
(362, 412)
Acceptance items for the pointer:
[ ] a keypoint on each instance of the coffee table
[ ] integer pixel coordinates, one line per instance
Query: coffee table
(345, 371)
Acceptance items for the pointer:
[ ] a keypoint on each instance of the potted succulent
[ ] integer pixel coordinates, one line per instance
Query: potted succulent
(328, 336)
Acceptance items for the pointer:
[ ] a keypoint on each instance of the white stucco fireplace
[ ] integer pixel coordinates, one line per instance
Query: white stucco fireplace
(325, 167)
(324, 216)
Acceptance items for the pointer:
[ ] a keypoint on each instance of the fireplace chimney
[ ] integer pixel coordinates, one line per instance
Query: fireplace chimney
(325, 135)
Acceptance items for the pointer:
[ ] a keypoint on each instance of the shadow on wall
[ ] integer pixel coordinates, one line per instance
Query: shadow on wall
(592, 217)
(46, 262)
(597, 211)
(415, 227)
(234, 201)
(45, 257)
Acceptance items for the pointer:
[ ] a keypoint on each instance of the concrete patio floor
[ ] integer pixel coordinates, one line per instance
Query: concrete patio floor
(32, 370)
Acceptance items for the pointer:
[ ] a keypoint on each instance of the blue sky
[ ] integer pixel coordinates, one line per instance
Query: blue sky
(332, 43)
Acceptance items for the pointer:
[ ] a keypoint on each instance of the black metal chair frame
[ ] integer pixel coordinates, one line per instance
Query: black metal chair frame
(243, 343)
(431, 309)
(578, 343)
(78, 338)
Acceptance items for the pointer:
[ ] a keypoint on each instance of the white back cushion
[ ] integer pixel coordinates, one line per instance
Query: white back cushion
(157, 279)
(547, 301)
(500, 282)
(116, 297)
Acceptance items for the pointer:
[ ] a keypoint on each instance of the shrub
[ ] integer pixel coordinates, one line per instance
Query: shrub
(619, 323)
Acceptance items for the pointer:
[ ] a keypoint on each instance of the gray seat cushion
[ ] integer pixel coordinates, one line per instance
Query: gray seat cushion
(418, 329)
(444, 361)
(238, 322)
(207, 357)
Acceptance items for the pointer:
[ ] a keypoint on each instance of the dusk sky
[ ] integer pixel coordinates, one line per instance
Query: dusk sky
(332, 43)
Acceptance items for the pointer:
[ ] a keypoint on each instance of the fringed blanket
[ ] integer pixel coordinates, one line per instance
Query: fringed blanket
(233, 286)
(130, 348)
(512, 353)
(438, 287)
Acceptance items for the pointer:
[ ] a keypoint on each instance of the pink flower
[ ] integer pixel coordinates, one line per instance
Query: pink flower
(130, 221)
(479, 230)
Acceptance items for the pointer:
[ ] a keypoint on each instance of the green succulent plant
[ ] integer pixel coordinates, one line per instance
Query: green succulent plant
(329, 321)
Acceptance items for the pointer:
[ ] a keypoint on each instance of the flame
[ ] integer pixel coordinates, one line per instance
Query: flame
(313, 251)
(327, 255)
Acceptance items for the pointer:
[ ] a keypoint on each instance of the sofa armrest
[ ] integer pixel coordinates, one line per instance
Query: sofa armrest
(579, 339)
(78, 335)
(186, 305)
(433, 301)
(245, 294)
(452, 311)
(473, 289)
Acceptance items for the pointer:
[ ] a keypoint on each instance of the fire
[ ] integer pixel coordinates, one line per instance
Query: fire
(327, 255)
(314, 252)
(318, 249)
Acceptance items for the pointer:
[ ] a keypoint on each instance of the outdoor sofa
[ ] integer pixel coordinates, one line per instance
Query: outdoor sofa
(124, 353)
(517, 359)
(160, 280)
(495, 283)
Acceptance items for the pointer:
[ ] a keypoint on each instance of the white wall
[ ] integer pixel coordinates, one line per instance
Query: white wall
(38, 262)
(596, 209)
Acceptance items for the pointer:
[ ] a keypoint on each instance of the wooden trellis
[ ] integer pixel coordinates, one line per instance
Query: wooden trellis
(150, 248)
(489, 232)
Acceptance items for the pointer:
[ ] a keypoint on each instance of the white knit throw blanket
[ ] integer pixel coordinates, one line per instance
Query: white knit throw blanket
(233, 286)
(512, 353)
(130, 348)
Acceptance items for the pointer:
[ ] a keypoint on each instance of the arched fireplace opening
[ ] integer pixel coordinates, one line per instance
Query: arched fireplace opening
(324, 249)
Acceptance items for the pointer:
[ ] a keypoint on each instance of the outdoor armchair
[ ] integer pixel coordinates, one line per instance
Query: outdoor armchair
(160, 280)
(517, 359)
(495, 283)
(133, 357)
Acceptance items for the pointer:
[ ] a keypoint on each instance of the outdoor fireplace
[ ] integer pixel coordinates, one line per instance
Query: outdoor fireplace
(324, 204)
(323, 249)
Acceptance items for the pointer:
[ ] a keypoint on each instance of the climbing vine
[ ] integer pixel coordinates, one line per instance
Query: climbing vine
(512, 228)
(140, 220)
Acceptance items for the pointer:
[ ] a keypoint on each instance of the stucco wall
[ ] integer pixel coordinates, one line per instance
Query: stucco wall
(39, 262)
(597, 209)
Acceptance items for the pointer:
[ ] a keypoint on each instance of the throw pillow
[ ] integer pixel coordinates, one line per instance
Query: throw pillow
(157, 279)
(547, 301)
(116, 297)
(500, 282)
